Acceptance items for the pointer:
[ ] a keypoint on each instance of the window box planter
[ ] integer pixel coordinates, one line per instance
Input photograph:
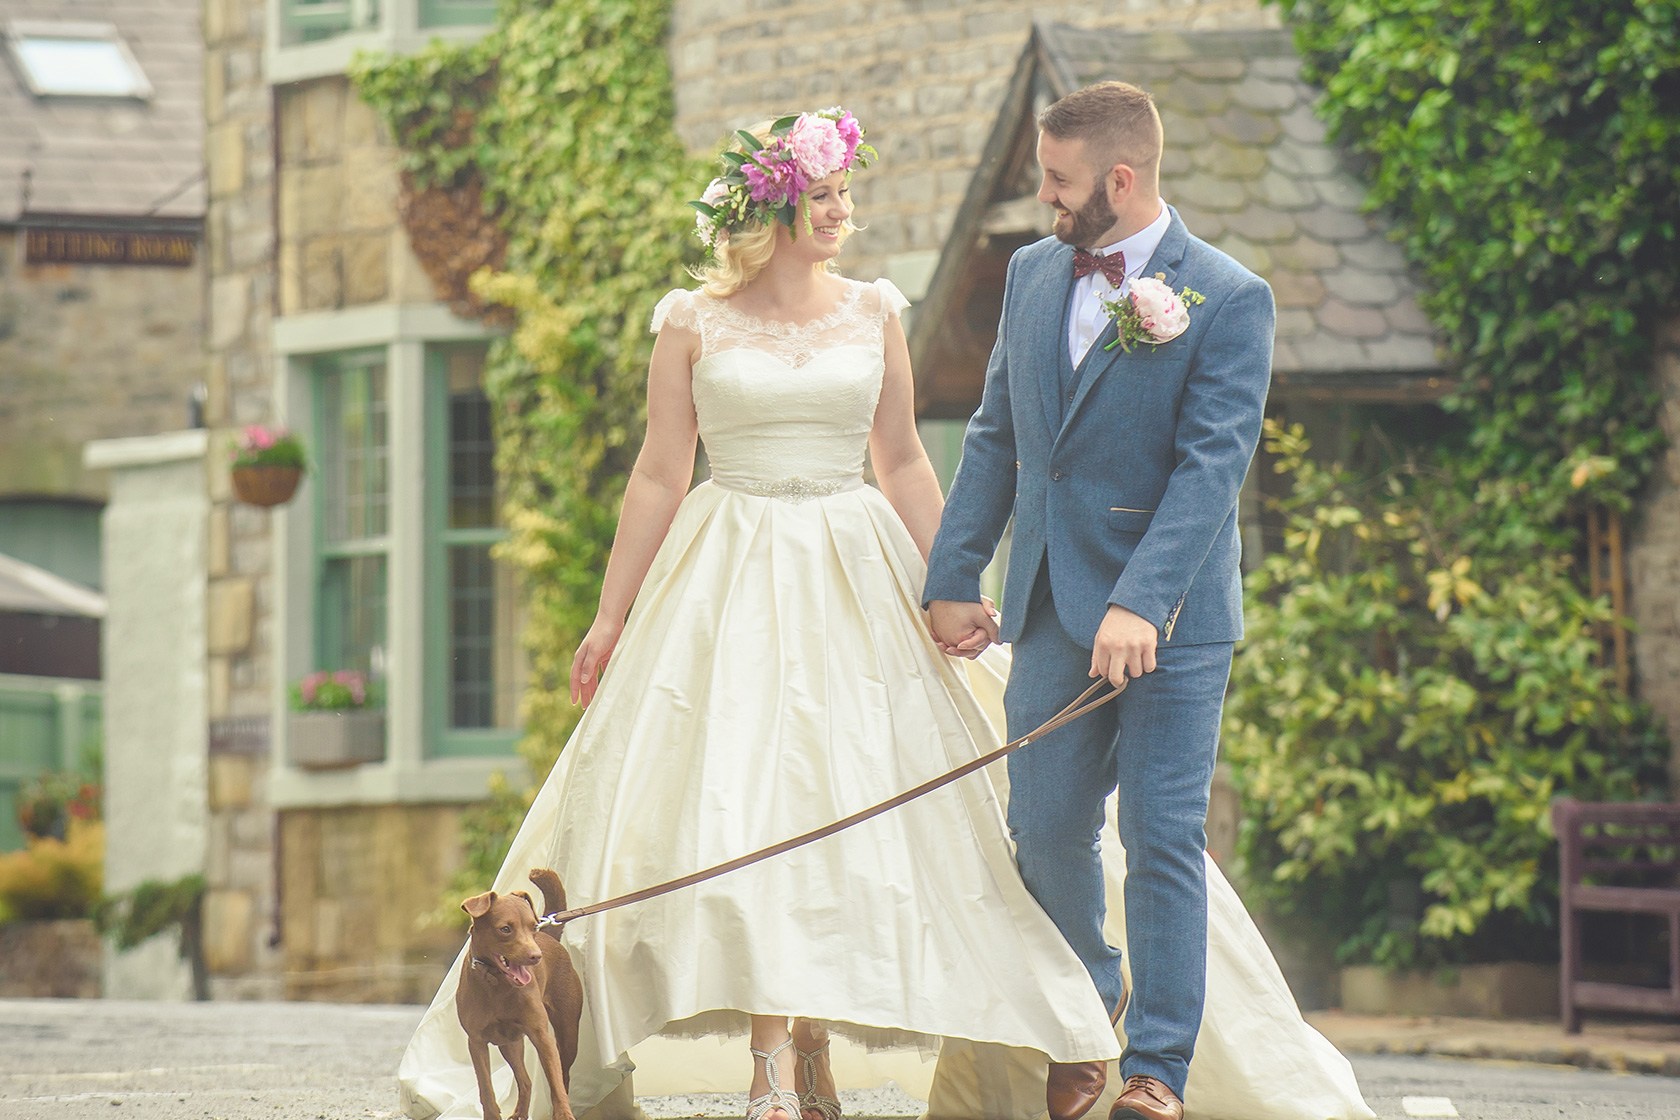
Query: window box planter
(50, 960)
(335, 740)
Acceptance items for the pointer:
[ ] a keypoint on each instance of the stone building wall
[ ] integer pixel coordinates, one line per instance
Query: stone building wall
(1654, 559)
(341, 242)
(926, 78)
(89, 352)
(238, 373)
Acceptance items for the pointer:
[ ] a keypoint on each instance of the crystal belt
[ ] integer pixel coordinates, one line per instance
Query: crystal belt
(794, 490)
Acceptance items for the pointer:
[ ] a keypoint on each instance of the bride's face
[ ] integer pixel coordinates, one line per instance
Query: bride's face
(827, 205)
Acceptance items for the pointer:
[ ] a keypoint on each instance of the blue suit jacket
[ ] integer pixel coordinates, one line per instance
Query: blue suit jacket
(1129, 493)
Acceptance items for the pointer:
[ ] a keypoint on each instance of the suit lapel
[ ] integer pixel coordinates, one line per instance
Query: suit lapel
(1165, 261)
(1055, 281)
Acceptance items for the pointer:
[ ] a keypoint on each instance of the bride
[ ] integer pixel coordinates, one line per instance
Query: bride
(776, 674)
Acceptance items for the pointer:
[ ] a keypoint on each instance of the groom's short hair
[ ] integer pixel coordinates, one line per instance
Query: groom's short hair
(1117, 121)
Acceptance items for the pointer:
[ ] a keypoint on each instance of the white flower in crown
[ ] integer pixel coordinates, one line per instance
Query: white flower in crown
(1150, 312)
(705, 226)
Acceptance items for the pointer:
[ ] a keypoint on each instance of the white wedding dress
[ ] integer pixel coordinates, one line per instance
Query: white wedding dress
(775, 675)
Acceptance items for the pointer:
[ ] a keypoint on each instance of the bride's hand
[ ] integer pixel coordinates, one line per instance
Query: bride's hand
(593, 652)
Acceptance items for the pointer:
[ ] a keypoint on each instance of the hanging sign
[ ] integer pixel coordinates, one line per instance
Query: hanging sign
(70, 246)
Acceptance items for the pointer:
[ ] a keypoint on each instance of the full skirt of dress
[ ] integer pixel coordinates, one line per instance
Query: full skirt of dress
(775, 675)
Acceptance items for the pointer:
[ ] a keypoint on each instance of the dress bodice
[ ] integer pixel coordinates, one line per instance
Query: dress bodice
(785, 409)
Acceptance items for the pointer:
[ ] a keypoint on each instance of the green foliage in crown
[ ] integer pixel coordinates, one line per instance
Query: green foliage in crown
(1421, 677)
(563, 112)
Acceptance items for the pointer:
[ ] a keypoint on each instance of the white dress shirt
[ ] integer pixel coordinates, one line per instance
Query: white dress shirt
(1087, 318)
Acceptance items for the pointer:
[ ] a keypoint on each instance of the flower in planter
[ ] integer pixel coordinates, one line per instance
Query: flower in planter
(258, 446)
(334, 691)
(47, 805)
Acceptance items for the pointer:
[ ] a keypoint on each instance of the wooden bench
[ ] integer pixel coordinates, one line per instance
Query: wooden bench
(1630, 852)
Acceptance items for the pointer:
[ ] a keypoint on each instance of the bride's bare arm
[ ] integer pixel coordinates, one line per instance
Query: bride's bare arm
(657, 486)
(901, 463)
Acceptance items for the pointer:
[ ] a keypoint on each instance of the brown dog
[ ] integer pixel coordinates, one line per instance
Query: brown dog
(519, 983)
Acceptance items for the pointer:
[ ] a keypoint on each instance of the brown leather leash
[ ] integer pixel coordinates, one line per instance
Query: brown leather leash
(1082, 703)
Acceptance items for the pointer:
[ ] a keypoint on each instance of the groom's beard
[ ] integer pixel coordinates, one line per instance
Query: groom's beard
(1082, 227)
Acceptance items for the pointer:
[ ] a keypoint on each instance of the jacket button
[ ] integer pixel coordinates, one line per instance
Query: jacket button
(1017, 464)
(1056, 476)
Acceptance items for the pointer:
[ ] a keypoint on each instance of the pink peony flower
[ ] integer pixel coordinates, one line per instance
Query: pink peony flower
(1160, 312)
(258, 438)
(776, 180)
(851, 134)
(817, 146)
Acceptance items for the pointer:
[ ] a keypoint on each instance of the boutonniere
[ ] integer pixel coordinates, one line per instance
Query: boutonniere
(1150, 312)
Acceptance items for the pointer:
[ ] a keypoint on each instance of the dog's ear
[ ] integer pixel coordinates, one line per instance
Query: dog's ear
(479, 904)
(528, 902)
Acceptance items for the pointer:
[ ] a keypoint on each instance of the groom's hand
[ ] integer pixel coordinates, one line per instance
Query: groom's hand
(962, 629)
(1125, 646)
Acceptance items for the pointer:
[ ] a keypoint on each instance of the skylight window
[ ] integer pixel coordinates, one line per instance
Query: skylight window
(75, 60)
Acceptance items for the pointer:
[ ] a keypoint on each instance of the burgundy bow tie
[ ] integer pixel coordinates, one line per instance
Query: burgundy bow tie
(1112, 266)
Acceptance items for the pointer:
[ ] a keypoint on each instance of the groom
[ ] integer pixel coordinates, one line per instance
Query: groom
(1122, 472)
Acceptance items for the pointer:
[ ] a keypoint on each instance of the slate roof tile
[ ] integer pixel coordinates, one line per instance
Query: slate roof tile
(94, 156)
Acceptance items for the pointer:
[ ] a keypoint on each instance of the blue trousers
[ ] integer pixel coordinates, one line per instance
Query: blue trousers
(1157, 744)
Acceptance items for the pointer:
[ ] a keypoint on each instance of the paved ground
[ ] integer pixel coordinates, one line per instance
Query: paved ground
(70, 1060)
(1627, 1046)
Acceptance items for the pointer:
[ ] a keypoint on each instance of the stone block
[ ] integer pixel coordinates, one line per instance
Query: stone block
(224, 156)
(311, 201)
(1483, 991)
(1245, 252)
(1342, 190)
(1328, 223)
(1267, 96)
(370, 189)
(1356, 285)
(1301, 123)
(289, 266)
(1262, 224)
(1293, 322)
(228, 307)
(1344, 319)
(215, 85)
(230, 781)
(1329, 354)
(1375, 254)
(229, 607)
(1193, 98)
(229, 929)
(323, 116)
(1245, 126)
(1175, 162)
(1288, 68)
(217, 558)
(1405, 316)
(1203, 223)
(1229, 161)
(1306, 255)
(1183, 129)
(1284, 192)
(322, 274)
(1297, 289)
(367, 270)
(1400, 351)
(1205, 192)
(1292, 157)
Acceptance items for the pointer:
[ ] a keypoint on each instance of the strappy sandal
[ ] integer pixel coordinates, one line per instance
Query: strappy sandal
(811, 1100)
(777, 1098)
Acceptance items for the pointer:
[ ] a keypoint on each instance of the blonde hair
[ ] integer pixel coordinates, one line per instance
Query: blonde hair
(741, 254)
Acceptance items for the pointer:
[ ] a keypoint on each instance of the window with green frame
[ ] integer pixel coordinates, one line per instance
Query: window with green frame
(457, 13)
(352, 510)
(475, 664)
(311, 21)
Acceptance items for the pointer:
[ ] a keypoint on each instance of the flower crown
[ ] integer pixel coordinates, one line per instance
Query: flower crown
(764, 179)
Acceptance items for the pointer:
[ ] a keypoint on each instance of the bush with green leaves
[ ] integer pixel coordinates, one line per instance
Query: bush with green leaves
(1416, 686)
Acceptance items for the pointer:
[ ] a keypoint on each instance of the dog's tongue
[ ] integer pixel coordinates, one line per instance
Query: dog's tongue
(520, 974)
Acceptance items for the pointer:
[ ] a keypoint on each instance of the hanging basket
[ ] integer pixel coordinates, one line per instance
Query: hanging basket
(265, 486)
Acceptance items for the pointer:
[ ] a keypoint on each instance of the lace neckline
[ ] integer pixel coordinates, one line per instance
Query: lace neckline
(781, 328)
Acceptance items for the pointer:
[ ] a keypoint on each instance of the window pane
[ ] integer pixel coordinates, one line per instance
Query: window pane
(486, 665)
(354, 451)
(457, 13)
(472, 471)
(352, 617)
(85, 67)
(309, 21)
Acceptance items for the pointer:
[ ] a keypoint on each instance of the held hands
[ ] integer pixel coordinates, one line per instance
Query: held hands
(1125, 646)
(963, 629)
(597, 646)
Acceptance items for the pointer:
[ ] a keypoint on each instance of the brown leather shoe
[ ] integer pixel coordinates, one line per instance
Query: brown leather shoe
(1073, 1087)
(1145, 1098)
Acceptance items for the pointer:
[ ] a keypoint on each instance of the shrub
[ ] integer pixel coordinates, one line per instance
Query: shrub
(53, 879)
